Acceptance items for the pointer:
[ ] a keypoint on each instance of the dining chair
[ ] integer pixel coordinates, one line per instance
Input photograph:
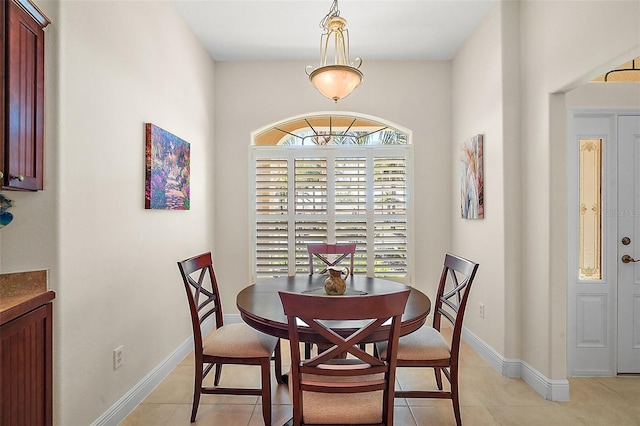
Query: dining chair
(227, 343)
(344, 384)
(321, 252)
(427, 347)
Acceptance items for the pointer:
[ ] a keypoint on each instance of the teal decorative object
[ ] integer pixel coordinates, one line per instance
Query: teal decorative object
(5, 216)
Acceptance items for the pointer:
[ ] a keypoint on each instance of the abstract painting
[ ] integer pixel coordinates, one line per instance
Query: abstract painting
(167, 162)
(471, 179)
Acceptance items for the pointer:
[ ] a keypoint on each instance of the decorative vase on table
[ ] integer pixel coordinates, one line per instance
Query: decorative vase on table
(335, 285)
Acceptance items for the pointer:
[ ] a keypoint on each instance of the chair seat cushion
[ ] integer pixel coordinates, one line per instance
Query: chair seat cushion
(341, 408)
(426, 343)
(239, 341)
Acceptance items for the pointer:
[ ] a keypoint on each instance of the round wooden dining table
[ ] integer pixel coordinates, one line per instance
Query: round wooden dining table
(260, 306)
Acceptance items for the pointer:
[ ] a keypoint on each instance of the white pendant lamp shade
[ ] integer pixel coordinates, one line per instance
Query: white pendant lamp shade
(336, 81)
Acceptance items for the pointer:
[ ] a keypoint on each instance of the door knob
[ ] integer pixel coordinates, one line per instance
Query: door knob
(626, 241)
(628, 259)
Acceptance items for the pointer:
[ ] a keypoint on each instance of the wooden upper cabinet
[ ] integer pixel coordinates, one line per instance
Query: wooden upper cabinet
(23, 95)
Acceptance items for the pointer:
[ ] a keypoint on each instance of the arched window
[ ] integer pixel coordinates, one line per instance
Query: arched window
(332, 177)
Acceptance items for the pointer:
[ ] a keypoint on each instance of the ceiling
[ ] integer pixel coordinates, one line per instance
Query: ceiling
(269, 30)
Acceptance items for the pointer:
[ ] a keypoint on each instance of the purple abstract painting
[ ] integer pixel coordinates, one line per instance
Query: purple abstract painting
(167, 170)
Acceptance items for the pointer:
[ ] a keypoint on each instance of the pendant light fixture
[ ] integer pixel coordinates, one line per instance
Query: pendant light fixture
(337, 80)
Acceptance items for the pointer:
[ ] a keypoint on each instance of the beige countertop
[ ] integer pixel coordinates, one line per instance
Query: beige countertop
(22, 291)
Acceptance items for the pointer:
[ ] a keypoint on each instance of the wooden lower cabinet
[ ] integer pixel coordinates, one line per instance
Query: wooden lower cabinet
(26, 365)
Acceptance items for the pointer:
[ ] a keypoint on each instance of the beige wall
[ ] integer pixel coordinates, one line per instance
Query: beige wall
(605, 96)
(485, 101)
(414, 95)
(111, 67)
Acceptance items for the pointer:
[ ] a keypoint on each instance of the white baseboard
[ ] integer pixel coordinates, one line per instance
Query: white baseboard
(593, 373)
(129, 401)
(554, 390)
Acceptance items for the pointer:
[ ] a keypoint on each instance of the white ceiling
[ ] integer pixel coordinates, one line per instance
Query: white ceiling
(271, 30)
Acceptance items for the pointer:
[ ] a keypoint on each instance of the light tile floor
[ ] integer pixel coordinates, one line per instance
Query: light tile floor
(486, 399)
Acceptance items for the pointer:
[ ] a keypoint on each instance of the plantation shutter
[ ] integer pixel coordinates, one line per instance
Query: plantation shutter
(390, 212)
(271, 227)
(310, 207)
(351, 207)
(345, 195)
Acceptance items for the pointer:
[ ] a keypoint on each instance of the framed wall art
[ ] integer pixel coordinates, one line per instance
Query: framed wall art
(167, 160)
(471, 179)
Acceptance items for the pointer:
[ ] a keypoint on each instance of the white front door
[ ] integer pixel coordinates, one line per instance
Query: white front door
(591, 307)
(628, 244)
(603, 309)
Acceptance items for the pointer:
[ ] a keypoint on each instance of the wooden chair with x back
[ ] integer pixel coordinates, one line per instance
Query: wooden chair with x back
(332, 388)
(427, 347)
(321, 252)
(327, 255)
(226, 344)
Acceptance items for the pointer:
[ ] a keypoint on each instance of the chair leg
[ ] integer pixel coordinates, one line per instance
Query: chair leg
(277, 360)
(438, 374)
(197, 390)
(455, 400)
(265, 368)
(387, 409)
(307, 350)
(216, 380)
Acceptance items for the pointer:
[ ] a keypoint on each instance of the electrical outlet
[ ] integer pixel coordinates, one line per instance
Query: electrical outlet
(117, 357)
(481, 310)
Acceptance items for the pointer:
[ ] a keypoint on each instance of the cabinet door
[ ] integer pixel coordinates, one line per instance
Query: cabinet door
(25, 100)
(26, 369)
